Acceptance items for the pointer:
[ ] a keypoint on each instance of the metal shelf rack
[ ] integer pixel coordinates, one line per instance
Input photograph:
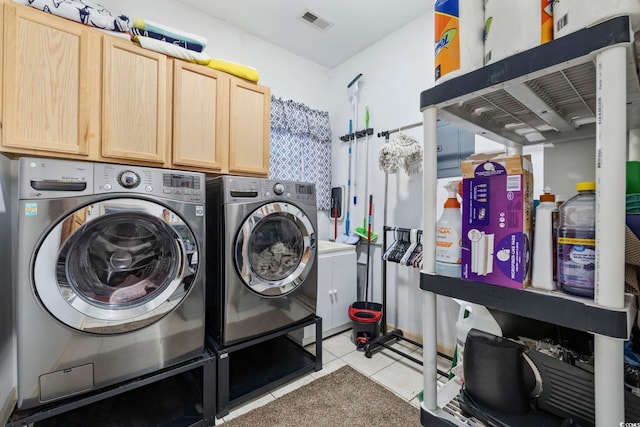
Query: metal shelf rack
(584, 85)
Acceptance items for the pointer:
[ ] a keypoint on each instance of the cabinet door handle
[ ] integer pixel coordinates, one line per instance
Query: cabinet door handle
(335, 294)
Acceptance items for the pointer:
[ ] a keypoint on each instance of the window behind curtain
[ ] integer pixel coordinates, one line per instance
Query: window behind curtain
(301, 146)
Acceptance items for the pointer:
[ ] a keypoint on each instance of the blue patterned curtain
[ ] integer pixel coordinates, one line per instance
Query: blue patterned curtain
(301, 146)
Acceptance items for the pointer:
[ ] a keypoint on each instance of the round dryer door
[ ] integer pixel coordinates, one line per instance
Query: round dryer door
(115, 266)
(275, 249)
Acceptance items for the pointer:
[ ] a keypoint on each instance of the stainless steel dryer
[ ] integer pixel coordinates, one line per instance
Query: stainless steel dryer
(261, 240)
(109, 283)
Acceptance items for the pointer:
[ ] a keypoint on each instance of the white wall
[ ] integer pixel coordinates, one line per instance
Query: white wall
(567, 164)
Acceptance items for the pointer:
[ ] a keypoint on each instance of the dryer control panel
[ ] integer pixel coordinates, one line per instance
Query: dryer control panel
(302, 191)
(240, 189)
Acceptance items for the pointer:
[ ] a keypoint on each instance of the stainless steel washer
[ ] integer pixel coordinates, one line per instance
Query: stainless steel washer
(109, 283)
(261, 236)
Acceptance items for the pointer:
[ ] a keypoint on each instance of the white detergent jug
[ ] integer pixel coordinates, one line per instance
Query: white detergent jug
(471, 316)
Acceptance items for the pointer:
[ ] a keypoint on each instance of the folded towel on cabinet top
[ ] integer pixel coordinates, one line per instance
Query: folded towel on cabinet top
(86, 12)
(146, 28)
(239, 70)
(172, 50)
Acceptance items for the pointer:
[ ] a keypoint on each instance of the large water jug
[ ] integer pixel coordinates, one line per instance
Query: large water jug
(577, 241)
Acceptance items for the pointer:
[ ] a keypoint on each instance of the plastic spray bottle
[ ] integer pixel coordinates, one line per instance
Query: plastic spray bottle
(448, 235)
(544, 250)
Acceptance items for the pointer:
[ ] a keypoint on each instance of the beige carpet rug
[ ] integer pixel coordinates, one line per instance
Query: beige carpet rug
(342, 398)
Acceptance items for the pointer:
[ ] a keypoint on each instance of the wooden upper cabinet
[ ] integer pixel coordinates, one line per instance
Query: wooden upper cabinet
(71, 91)
(249, 134)
(135, 104)
(51, 80)
(200, 118)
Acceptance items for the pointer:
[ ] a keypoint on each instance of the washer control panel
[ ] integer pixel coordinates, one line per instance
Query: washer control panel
(167, 183)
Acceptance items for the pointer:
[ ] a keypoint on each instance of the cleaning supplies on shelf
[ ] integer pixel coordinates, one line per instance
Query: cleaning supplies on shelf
(471, 316)
(497, 210)
(543, 276)
(576, 241)
(448, 234)
(526, 24)
(458, 43)
(573, 15)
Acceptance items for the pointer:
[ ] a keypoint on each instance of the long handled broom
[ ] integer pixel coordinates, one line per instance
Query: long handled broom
(347, 237)
(363, 231)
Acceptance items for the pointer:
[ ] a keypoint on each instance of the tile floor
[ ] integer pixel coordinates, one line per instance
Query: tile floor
(398, 374)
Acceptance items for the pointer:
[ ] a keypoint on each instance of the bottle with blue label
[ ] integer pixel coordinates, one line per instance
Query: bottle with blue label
(577, 242)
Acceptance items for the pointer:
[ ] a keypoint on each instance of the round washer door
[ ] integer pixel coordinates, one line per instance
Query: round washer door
(115, 266)
(275, 249)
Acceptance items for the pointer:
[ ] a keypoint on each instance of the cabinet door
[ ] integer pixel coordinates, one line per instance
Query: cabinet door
(324, 305)
(51, 84)
(250, 115)
(200, 118)
(345, 282)
(135, 104)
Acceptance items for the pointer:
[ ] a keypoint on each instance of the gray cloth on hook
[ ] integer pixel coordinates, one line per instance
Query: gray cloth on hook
(404, 151)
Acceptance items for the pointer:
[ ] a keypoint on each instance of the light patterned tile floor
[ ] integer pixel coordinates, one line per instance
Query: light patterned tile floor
(395, 372)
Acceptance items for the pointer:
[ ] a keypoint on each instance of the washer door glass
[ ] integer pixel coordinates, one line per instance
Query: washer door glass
(117, 269)
(275, 249)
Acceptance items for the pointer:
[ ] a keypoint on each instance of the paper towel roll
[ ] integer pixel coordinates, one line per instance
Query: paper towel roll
(459, 25)
(573, 15)
(515, 26)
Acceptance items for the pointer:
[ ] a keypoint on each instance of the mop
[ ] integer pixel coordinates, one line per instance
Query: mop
(362, 231)
(403, 151)
(347, 237)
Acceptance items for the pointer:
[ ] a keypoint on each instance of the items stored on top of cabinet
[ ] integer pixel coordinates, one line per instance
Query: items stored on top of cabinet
(98, 97)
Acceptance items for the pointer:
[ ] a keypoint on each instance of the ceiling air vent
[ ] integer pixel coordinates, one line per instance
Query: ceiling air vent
(316, 20)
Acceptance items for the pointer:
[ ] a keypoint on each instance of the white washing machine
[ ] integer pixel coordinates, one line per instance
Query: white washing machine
(262, 256)
(109, 283)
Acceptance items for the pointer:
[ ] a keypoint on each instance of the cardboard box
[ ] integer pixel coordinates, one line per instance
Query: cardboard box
(497, 203)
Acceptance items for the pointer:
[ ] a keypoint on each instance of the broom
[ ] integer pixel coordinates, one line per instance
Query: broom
(363, 231)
